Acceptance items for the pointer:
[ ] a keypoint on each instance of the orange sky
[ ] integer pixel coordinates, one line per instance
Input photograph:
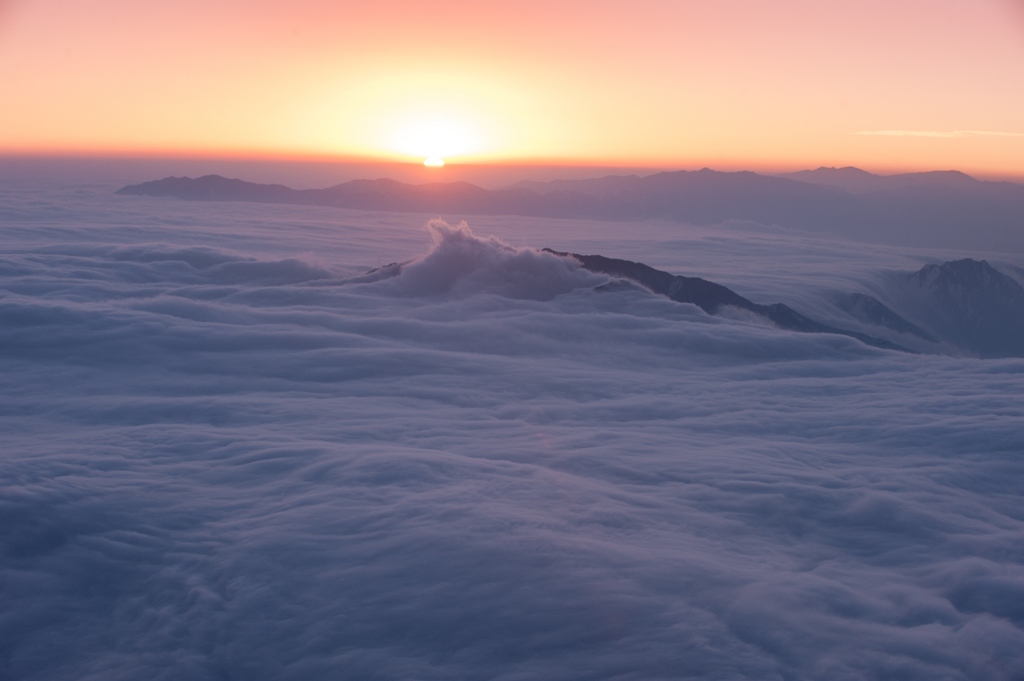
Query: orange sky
(885, 85)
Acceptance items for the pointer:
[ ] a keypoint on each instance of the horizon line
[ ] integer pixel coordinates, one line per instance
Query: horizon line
(453, 164)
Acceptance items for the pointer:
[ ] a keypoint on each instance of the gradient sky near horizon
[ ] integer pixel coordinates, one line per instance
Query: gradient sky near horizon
(882, 84)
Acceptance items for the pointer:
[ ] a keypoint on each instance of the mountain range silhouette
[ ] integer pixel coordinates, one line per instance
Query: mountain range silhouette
(943, 209)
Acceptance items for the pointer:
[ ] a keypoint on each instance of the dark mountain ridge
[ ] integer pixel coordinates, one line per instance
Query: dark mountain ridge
(962, 305)
(712, 297)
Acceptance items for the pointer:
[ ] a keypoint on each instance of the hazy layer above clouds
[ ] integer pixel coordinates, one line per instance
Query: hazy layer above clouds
(937, 209)
(229, 454)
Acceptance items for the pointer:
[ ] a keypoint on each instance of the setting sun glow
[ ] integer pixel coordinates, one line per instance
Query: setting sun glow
(435, 139)
(528, 80)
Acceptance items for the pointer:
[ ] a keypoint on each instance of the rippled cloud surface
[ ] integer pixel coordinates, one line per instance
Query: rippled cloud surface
(231, 453)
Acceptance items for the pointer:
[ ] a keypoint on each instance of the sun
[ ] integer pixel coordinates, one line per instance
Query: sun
(435, 139)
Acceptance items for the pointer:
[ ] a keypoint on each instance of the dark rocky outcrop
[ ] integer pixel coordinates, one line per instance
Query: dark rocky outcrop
(712, 297)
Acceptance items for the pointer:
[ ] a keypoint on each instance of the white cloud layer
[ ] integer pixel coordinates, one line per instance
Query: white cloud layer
(225, 457)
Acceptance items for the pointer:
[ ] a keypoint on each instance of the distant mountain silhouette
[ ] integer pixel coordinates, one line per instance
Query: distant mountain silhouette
(857, 181)
(961, 305)
(214, 188)
(712, 297)
(979, 307)
(945, 209)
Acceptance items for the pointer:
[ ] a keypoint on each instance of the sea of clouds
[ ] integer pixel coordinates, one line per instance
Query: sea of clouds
(229, 452)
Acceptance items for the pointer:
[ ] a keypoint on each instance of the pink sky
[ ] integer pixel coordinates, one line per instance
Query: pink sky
(901, 84)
